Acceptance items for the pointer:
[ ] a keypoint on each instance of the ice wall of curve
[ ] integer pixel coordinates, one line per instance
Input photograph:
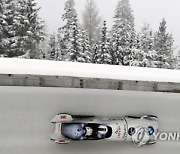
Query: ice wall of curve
(26, 112)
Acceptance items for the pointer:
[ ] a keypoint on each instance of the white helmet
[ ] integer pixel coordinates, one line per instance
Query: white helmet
(102, 129)
(89, 131)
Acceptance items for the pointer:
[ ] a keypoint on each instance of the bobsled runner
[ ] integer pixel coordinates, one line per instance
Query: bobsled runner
(139, 130)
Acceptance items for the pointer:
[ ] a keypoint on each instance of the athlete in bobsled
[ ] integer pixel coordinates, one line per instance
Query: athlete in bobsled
(140, 130)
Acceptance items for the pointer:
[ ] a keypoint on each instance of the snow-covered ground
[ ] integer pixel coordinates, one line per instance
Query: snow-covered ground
(56, 68)
(26, 112)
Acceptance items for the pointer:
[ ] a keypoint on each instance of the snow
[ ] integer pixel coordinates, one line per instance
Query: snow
(57, 68)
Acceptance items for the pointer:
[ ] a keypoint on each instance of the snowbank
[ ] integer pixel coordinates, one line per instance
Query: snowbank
(57, 68)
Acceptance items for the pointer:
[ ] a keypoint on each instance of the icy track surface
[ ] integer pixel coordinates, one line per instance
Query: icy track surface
(57, 68)
(26, 112)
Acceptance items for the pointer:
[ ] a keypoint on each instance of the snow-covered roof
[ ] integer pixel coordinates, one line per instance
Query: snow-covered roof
(57, 68)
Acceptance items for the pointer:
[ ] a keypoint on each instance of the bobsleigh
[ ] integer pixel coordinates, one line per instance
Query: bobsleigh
(139, 130)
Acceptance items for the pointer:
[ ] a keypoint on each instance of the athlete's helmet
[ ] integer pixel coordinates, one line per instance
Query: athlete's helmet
(102, 129)
(73, 131)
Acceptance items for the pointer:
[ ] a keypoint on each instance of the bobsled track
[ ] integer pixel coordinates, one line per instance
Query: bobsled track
(26, 112)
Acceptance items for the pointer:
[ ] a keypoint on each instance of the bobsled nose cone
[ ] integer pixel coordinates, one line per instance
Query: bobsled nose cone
(55, 119)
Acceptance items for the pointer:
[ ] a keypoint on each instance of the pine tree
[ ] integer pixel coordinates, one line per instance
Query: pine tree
(21, 28)
(52, 45)
(65, 33)
(143, 53)
(146, 45)
(178, 60)
(123, 11)
(74, 44)
(137, 58)
(91, 21)
(2, 23)
(95, 53)
(85, 53)
(164, 47)
(34, 29)
(137, 55)
(70, 35)
(104, 47)
(143, 59)
(123, 33)
(9, 31)
(146, 38)
(62, 43)
(20, 23)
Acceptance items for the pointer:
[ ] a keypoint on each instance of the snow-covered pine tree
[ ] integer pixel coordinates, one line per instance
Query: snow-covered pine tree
(147, 46)
(143, 59)
(69, 36)
(137, 55)
(34, 29)
(123, 33)
(137, 58)
(146, 38)
(164, 47)
(92, 21)
(74, 43)
(85, 52)
(62, 39)
(21, 28)
(9, 29)
(65, 32)
(2, 23)
(20, 23)
(178, 61)
(95, 53)
(52, 47)
(104, 56)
